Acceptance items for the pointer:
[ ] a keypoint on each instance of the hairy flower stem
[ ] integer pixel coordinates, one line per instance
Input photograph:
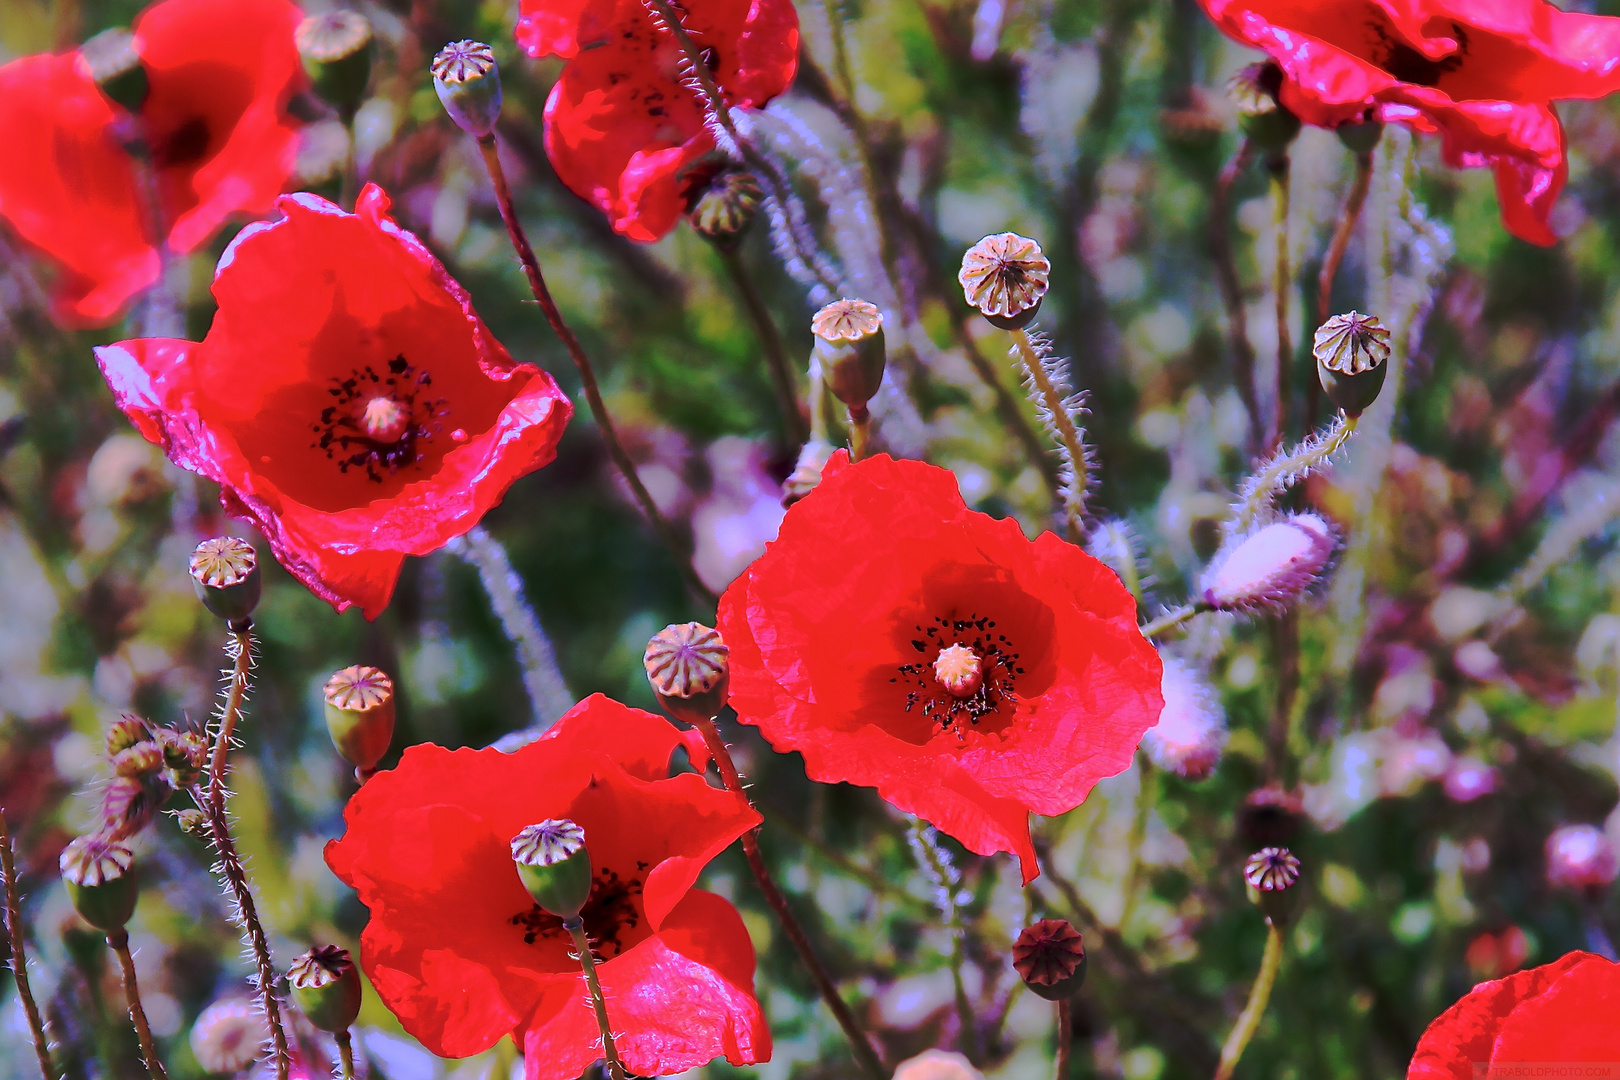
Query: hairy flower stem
(19, 955)
(1249, 1020)
(119, 942)
(1061, 422)
(770, 342)
(1007, 407)
(587, 963)
(345, 1043)
(865, 1054)
(1237, 322)
(239, 647)
(945, 878)
(1287, 466)
(1172, 619)
(1282, 285)
(587, 373)
(1342, 232)
(1065, 1039)
(1146, 784)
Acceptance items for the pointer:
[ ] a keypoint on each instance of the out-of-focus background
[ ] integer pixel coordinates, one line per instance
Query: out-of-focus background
(1461, 670)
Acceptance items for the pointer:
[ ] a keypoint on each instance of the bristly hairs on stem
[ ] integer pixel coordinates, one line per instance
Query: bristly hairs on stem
(1285, 468)
(1046, 379)
(15, 931)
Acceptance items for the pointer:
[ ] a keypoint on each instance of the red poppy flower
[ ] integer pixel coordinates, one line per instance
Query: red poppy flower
(901, 641)
(1482, 75)
(1562, 1013)
(621, 129)
(462, 956)
(221, 74)
(347, 398)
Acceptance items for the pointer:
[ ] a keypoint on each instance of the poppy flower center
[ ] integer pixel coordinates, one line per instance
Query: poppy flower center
(1408, 64)
(378, 420)
(611, 916)
(967, 672)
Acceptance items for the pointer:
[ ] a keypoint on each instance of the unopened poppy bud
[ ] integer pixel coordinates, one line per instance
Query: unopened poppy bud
(554, 865)
(129, 805)
(1050, 957)
(225, 574)
(185, 754)
(110, 60)
(1271, 875)
(126, 733)
(336, 48)
(326, 986)
(726, 208)
(806, 474)
(192, 822)
(1581, 857)
(142, 759)
(851, 351)
(689, 667)
(100, 880)
(468, 83)
(937, 1065)
(228, 1035)
(1270, 567)
(1005, 276)
(1264, 120)
(1352, 353)
(360, 714)
(1191, 732)
(1361, 137)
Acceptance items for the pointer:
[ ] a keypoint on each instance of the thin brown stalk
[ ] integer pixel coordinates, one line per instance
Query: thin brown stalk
(1342, 232)
(19, 955)
(239, 646)
(1065, 1039)
(1237, 320)
(587, 963)
(1282, 286)
(865, 1054)
(860, 434)
(770, 342)
(587, 373)
(119, 941)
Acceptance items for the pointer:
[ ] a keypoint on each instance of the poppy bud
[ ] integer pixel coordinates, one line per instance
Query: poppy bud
(1581, 857)
(142, 759)
(126, 733)
(1362, 136)
(1271, 875)
(806, 474)
(1264, 121)
(689, 667)
(1352, 353)
(185, 754)
(1271, 566)
(554, 865)
(1191, 732)
(336, 48)
(468, 83)
(726, 208)
(850, 348)
(100, 880)
(225, 574)
(360, 715)
(192, 822)
(326, 986)
(1005, 276)
(1050, 957)
(228, 1035)
(110, 61)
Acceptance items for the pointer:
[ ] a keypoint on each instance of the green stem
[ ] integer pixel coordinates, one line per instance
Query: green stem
(1237, 319)
(1342, 232)
(1073, 446)
(19, 955)
(860, 433)
(346, 1053)
(1249, 1020)
(1281, 285)
(587, 963)
(119, 941)
(783, 380)
(1172, 619)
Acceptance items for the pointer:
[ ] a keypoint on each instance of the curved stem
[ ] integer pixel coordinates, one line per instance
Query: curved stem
(1282, 283)
(1007, 407)
(19, 955)
(1065, 1039)
(587, 963)
(1237, 321)
(119, 940)
(783, 380)
(865, 1054)
(346, 1053)
(1062, 424)
(239, 647)
(587, 373)
(1249, 1019)
(1172, 619)
(1285, 468)
(1346, 228)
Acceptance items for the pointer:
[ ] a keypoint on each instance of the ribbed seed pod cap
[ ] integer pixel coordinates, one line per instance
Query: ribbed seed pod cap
(468, 83)
(726, 208)
(113, 64)
(360, 714)
(1050, 956)
(326, 986)
(100, 879)
(225, 574)
(554, 865)
(851, 350)
(1352, 359)
(689, 668)
(336, 48)
(1272, 877)
(1005, 276)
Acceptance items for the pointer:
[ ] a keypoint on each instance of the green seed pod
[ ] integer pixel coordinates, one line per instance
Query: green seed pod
(1352, 353)
(554, 865)
(468, 83)
(336, 48)
(1050, 957)
(326, 986)
(689, 668)
(1361, 137)
(360, 714)
(225, 574)
(100, 880)
(1005, 276)
(850, 349)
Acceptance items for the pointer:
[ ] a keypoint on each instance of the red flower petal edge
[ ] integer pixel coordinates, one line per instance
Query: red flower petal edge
(881, 592)
(462, 956)
(1483, 76)
(347, 398)
(1559, 1013)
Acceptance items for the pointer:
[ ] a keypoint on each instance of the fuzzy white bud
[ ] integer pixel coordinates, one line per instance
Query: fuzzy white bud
(1270, 566)
(1580, 857)
(1191, 732)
